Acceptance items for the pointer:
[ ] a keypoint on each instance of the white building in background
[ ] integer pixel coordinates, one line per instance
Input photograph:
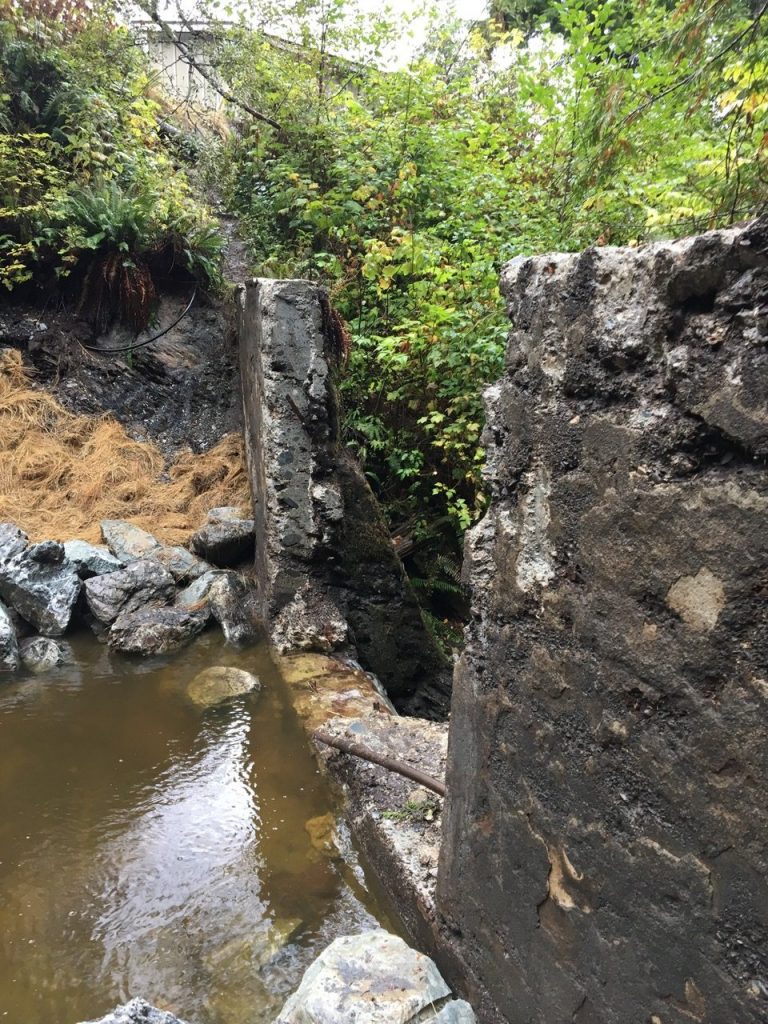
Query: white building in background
(175, 73)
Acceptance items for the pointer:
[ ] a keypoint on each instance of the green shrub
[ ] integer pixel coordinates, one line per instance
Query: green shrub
(88, 191)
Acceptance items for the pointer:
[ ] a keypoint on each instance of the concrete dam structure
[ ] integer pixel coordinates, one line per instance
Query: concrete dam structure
(604, 856)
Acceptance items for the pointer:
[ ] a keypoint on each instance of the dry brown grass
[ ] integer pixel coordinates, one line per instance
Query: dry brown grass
(60, 474)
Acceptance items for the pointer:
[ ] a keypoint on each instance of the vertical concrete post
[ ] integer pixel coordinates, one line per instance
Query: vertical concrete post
(328, 576)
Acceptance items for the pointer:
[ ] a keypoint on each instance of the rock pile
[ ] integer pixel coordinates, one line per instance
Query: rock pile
(139, 595)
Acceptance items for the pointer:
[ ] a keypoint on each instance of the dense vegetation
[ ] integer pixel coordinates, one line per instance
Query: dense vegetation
(406, 190)
(549, 125)
(91, 199)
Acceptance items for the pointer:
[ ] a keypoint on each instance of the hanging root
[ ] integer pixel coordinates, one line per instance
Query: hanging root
(336, 335)
(118, 287)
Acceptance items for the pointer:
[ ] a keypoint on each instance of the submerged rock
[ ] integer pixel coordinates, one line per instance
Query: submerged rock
(233, 603)
(322, 834)
(140, 583)
(40, 654)
(155, 630)
(373, 977)
(256, 949)
(127, 542)
(138, 1011)
(12, 541)
(91, 559)
(220, 683)
(43, 592)
(10, 658)
(226, 543)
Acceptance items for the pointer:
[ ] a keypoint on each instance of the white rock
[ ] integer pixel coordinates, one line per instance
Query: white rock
(137, 1012)
(9, 647)
(372, 978)
(91, 559)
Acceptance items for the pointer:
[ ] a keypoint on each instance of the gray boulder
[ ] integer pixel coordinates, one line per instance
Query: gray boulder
(226, 543)
(20, 624)
(196, 594)
(233, 604)
(40, 654)
(140, 583)
(373, 977)
(12, 541)
(137, 1012)
(41, 586)
(155, 630)
(182, 564)
(127, 542)
(48, 552)
(220, 683)
(10, 659)
(130, 544)
(91, 559)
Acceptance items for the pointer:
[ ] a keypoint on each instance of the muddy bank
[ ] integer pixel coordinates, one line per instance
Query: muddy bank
(180, 391)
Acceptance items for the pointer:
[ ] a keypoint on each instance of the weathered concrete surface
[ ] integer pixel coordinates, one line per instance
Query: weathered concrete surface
(604, 856)
(329, 576)
(324, 687)
(396, 822)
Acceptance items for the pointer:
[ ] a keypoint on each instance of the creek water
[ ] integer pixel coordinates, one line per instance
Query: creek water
(150, 847)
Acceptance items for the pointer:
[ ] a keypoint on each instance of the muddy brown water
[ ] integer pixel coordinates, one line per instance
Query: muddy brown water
(149, 847)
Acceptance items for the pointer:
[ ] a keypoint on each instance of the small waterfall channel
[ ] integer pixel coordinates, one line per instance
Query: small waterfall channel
(151, 847)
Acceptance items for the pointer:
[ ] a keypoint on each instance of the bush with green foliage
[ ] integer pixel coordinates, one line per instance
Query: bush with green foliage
(406, 190)
(90, 198)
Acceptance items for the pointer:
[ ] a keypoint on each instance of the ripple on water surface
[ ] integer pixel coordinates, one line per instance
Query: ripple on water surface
(148, 847)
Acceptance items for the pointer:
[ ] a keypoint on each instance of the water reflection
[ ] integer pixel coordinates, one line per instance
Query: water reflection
(148, 848)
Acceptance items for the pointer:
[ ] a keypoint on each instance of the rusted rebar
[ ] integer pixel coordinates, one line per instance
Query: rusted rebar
(358, 750)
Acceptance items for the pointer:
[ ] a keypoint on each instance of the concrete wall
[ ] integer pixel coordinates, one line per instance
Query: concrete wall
(604, 855)
(328, 575)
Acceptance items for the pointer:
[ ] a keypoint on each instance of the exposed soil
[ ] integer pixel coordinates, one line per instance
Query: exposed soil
(180, 391)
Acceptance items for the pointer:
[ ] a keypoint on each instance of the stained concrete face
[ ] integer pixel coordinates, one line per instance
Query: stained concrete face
(604, 855)
(328, 576)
